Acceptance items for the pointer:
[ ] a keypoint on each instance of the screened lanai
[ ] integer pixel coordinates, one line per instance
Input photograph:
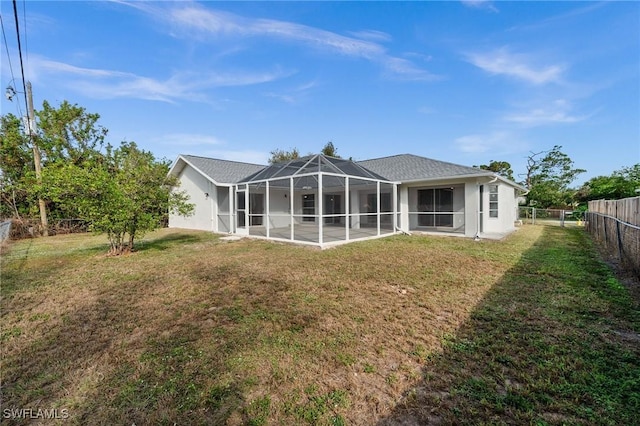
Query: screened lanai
(316, 200)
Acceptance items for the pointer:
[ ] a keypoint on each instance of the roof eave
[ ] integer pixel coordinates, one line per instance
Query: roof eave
(449, 177)
(512, 183)
(206, 176)
(475, 175)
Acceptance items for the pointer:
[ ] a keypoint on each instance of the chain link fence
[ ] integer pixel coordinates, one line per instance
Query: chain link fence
(558, 217)
(18, 229)
(5, 231)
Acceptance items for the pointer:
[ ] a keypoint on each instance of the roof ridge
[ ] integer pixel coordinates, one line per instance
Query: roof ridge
(221, 159)
(387, 156)
(430, 159)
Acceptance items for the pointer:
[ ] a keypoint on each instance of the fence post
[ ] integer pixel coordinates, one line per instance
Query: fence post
(620, 246)
(533, 216)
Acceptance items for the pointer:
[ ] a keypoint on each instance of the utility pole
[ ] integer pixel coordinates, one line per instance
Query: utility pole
(31, 118)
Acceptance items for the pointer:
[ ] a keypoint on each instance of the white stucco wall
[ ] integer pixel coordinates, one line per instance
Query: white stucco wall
(472, 208)
(505, 222)
(196, 186)
(279, 208)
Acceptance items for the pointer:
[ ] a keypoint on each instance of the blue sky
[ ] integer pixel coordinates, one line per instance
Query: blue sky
(465, 82)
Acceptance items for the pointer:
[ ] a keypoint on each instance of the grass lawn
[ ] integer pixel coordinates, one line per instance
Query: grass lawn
(190, 329)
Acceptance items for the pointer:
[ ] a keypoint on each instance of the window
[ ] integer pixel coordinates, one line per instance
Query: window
(493, 200)
(309, 207)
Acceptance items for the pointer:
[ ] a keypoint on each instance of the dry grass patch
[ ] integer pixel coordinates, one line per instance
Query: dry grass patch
(191, 329)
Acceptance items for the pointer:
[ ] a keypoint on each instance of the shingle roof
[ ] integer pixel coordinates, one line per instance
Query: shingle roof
(223, 171)
(409, 167)
(398, 168)
(313, 164)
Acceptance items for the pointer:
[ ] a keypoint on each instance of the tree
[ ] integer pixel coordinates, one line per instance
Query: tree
(279, 155)
(69, 133)
(330, 150)
(549, 174)
(501, 168)
(122, 192)
(125, 195)
(621, 183)
(17, 162)
(64, 134)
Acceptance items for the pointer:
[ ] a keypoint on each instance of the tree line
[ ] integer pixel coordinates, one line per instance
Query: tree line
(121, 191)
(125, 191)
(549, 175)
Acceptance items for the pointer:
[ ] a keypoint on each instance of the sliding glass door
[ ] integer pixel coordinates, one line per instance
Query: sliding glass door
(435, 207)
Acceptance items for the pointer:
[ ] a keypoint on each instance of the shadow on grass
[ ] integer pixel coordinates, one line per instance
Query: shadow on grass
(554, 342)
(165, 242)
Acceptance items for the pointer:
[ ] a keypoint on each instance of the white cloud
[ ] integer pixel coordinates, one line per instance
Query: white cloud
(220, 23)
(196, 21)
(407, 70)
(109, 84)
(372, 35)
(520, 66)
(188, 139)
(245, 156)
(498, 142)
(558, 111)
(294, 95)
(480, 4)
(426, 110)
(47, 65)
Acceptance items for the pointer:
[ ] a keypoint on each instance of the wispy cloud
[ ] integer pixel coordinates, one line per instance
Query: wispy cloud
(426, 110)
(480, 4)
(214, 22)
(585, 8)
(245, 156)
(519, 66)
(498, 142)
(558, 112)
(372, 35)
(109, 84)
(407, 70)
(195, 21)
(294, 95)
(188, 139)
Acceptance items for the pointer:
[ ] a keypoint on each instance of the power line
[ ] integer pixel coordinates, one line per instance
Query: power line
(24, 20)
(24, 87)
(6, 45)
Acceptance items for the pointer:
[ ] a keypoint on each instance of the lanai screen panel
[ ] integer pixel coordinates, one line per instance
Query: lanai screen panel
(256, 209)
(225, 215)
(318, 200)
(279, 214)
(334, 200)
(386, 208)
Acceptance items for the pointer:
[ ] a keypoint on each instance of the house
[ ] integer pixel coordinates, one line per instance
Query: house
(323, 201)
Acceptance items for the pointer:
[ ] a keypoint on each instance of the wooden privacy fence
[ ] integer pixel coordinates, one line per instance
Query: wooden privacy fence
(616, 225)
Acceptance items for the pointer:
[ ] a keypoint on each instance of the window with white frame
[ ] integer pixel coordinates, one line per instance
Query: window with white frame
(493, 200)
